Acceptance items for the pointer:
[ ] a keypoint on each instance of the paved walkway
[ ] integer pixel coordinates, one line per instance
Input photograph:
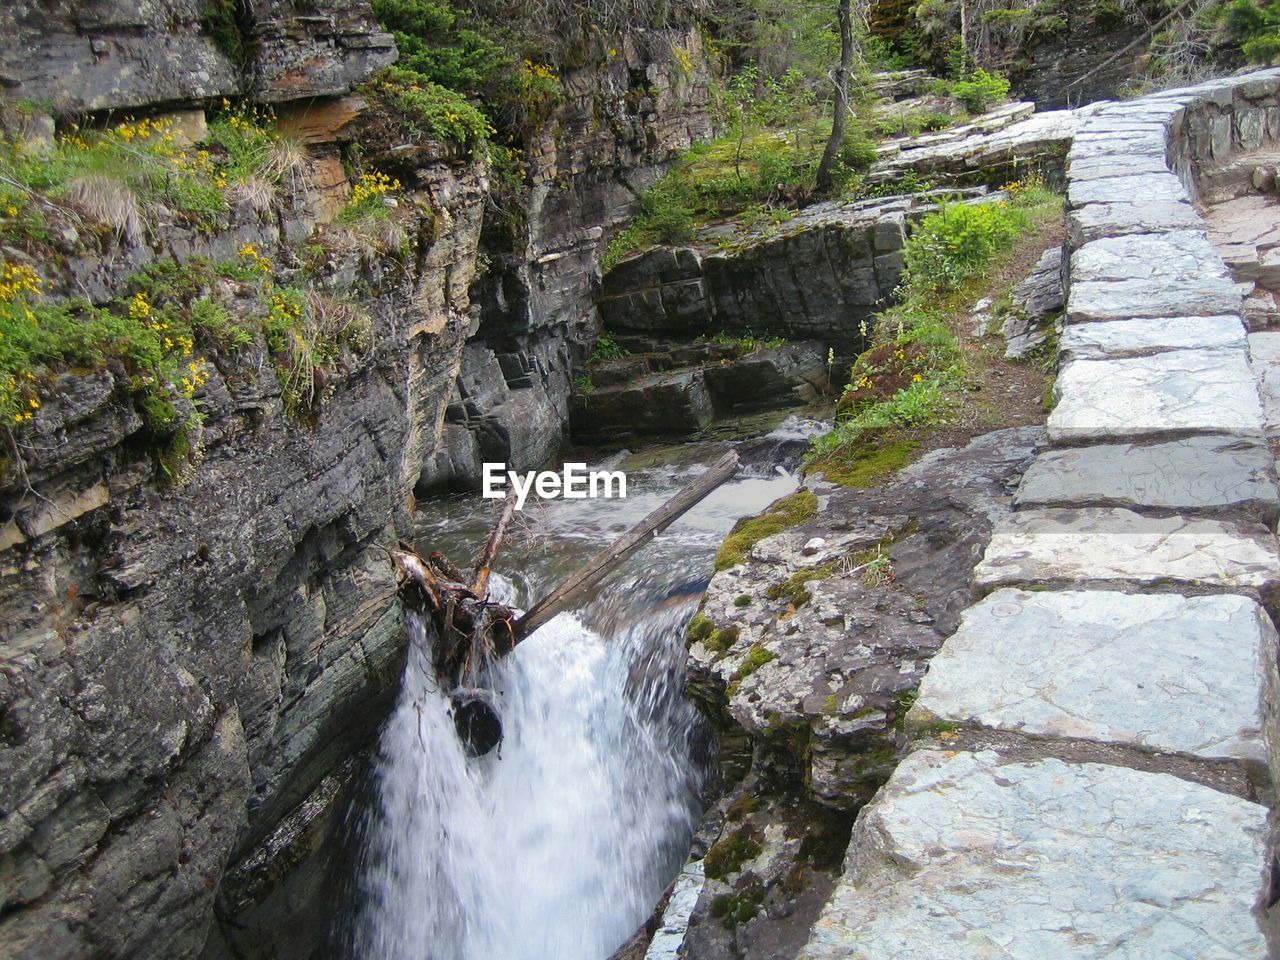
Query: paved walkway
(1095, 747)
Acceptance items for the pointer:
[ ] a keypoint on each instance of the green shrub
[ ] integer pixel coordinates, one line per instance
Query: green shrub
(607, 348)
(980, 91)
(430, 109)
(957, 241)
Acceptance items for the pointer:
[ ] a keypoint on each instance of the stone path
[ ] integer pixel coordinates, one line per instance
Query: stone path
(1095, 747)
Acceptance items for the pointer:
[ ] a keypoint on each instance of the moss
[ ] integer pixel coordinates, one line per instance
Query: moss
(788, 512)
(756, 658)
(699, 629)
(865, 462)
(742, 600)
(218, 20)
(740, 808)
(729, 853)
(903, 701)
(830, 706)
(721, 640)
(792, 589)
(737, 908)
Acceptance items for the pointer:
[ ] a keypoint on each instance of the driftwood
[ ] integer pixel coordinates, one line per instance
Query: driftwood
(473, 632)
(602, 563)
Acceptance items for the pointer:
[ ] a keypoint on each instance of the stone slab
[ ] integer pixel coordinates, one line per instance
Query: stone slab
(1117, 547)
(1097, 220)
(1264, 352)
(1137, 188)
(1189, 391)
(1194, 473)
(1160, 297)
(1161, 672)
(1175, 256)
(1129, 338)
(960, 858)
(1103, 167)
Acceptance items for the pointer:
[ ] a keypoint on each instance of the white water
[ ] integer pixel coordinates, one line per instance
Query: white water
(556, 846)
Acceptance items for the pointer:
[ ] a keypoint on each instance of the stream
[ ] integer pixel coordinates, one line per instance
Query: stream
(559, 843)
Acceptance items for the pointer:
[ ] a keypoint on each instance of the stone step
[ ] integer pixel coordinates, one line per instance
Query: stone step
(1178, 274)
(962, 857)
(1181, 391)
(1157, 673)
(1113, 547)
(1219, 475)
(1114, 339)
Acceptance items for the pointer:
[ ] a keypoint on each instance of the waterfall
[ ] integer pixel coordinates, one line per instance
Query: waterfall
(557, 845)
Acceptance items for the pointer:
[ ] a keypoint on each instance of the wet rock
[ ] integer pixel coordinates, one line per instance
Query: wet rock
(660, 405)
(813, 651)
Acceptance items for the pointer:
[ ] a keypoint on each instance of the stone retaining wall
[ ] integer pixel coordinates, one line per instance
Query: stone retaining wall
(1095, 748)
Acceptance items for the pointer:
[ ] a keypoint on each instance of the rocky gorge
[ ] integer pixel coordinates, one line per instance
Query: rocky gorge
(201, 638)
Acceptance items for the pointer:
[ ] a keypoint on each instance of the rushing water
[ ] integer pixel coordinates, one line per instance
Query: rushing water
(558, 844)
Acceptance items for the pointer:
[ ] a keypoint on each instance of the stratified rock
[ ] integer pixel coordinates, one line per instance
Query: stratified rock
(962, 856)
(1036, 301)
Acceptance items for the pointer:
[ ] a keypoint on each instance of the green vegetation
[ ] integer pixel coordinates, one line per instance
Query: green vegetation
(161, 326)
(739, 907)
(980, 91)
(428, 109)
(452, 58)
(1256, 27)
(607, 349)
(729, 853)
(765, 161)
(915, 371)
(745, 343)
(790, 511)
(702, 630)
(792, 589)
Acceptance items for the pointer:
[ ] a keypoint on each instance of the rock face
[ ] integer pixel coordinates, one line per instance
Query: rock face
(677, 390)
(1038, 299)
(73, 56)
(992, 153)
(187, 664)
(822, 275)
(625, 115)
(807, 658)
(191, 666)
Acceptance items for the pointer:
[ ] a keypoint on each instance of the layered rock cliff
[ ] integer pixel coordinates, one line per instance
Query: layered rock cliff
(194, 654)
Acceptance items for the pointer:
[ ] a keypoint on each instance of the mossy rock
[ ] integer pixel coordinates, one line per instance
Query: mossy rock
(788, 512)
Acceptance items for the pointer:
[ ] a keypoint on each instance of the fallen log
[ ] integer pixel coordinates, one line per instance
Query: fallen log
(472, 632)
(600, 566)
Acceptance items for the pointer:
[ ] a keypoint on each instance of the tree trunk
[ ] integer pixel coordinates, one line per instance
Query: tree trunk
(824, 182)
